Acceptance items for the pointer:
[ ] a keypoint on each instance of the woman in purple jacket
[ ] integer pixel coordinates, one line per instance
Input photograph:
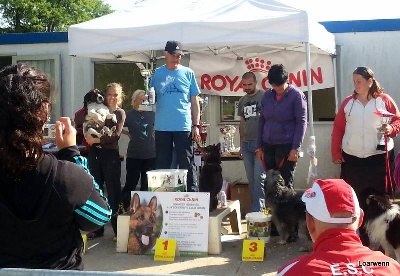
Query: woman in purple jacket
(282, 124)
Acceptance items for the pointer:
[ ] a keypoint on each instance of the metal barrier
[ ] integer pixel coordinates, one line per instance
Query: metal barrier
(47, 272)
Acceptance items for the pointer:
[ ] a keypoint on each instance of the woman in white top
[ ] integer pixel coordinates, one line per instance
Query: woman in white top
(355, 138)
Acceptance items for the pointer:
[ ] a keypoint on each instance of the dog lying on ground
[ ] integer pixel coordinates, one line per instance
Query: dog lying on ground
(98, 120)
(142, 225)
(287, 208)
(210, 179)
(382, 223)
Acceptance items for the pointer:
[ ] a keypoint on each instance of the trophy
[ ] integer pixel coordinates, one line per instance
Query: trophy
(386, 118)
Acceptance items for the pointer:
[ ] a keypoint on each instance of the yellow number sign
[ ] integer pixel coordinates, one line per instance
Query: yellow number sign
(253, 250)
(165, 250)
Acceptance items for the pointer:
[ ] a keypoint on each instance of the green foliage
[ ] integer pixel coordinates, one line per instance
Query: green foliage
(24, 16)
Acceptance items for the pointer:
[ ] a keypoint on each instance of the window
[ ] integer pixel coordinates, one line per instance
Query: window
(49, 64)
(5, 60)
(229, 109)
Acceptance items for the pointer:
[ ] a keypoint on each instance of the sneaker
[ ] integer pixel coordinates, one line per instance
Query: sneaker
(121, 210)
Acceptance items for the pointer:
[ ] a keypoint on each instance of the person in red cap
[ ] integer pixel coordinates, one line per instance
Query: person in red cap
(333, 215)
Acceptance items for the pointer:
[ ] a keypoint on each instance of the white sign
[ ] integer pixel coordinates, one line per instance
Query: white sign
(171, 215)
(222, 76)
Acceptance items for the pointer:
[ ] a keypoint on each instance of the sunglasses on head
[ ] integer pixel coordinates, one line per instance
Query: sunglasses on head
(363, 71)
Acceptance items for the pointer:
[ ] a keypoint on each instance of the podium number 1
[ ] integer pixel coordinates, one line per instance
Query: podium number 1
(165, 243)
(165, 250)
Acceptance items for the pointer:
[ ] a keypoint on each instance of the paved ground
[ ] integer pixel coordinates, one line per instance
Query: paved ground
(101, 256)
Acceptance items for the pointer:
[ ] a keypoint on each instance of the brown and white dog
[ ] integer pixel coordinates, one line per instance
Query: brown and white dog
(142, 225)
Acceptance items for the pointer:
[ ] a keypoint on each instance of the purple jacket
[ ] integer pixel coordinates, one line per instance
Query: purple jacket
(283, 121)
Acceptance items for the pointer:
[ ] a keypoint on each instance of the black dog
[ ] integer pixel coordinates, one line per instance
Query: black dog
(382, 223)
(287, 208)
(210, 179)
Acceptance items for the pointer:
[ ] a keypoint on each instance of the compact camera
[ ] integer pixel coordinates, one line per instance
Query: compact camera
(49, 131)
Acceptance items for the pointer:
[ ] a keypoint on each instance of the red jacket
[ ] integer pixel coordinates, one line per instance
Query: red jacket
(340, 252)
(355, 129)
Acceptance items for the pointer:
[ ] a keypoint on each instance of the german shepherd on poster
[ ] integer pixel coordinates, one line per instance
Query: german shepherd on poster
(143, 227)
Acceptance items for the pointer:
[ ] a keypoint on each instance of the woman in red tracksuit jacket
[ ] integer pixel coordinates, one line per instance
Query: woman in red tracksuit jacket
(355, 138)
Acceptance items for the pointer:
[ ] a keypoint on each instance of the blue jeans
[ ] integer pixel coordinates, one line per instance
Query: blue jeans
(184, 153)
(255, 174)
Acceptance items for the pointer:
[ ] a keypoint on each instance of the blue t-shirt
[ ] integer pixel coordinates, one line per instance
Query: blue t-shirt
(174, 88)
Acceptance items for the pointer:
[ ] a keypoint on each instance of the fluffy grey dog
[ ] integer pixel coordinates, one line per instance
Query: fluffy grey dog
(287, 208)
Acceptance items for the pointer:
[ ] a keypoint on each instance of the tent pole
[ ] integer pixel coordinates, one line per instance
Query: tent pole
(72, 83)
(310, 106)
(312, 169)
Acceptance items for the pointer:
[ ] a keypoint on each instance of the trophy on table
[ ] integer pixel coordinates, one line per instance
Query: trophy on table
(386, 118)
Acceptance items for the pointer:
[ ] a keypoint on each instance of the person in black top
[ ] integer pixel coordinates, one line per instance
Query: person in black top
(44, 200)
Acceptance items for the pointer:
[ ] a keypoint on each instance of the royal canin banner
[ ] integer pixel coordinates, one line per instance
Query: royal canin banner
(222, 76)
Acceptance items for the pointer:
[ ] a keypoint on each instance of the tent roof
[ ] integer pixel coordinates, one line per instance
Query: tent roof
(235, 28)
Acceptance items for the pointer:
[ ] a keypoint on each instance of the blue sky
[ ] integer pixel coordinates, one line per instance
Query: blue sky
(322, 10)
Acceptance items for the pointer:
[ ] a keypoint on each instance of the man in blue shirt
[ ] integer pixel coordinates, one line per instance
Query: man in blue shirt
(177, 113)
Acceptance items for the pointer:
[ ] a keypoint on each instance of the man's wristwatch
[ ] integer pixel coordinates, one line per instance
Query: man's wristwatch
(193, 126)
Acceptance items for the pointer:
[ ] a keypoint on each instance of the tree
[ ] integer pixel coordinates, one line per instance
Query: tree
(24, 16)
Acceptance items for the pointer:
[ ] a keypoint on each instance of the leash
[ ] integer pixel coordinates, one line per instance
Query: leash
(279, 166)
(388, 174)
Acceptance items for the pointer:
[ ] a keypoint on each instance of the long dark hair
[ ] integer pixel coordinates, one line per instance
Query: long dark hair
(25, 97)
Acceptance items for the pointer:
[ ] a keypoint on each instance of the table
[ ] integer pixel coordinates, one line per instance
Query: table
(230, 157)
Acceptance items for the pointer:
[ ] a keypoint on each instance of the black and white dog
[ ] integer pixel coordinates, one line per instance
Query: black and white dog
(382, 223)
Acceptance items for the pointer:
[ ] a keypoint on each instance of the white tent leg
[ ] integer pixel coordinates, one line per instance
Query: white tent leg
(310, 107)
(312, 170)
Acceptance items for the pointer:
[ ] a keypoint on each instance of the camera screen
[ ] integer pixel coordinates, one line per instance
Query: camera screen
(46, 132)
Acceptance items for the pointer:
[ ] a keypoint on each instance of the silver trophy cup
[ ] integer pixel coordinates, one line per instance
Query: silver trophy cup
(384, 121)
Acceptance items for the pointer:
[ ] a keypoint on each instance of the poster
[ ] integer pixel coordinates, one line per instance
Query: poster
(182, 216)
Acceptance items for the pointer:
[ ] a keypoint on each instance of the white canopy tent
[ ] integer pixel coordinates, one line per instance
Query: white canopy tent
(231, 28)
(237, 28)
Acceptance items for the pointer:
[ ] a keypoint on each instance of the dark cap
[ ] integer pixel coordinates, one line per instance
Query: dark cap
(174, 47)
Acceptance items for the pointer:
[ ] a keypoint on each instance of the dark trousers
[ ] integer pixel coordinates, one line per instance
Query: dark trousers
(273, 156)
(367, 176)
(184, 153)
(105, 166)
(135, 169)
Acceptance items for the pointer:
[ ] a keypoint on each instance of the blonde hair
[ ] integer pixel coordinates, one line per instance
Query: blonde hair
(118, 88)
(136, 94)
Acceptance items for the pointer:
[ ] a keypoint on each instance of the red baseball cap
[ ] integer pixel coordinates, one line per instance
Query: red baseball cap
(330, 196)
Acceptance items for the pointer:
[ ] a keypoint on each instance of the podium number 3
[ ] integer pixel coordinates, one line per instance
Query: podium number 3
(253, 247)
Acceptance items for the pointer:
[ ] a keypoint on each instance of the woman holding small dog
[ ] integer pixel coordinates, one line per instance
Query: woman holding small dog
(44, 201)
(355, 138)
(104, 160)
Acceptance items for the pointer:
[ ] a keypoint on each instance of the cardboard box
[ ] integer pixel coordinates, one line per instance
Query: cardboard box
(240, 191)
